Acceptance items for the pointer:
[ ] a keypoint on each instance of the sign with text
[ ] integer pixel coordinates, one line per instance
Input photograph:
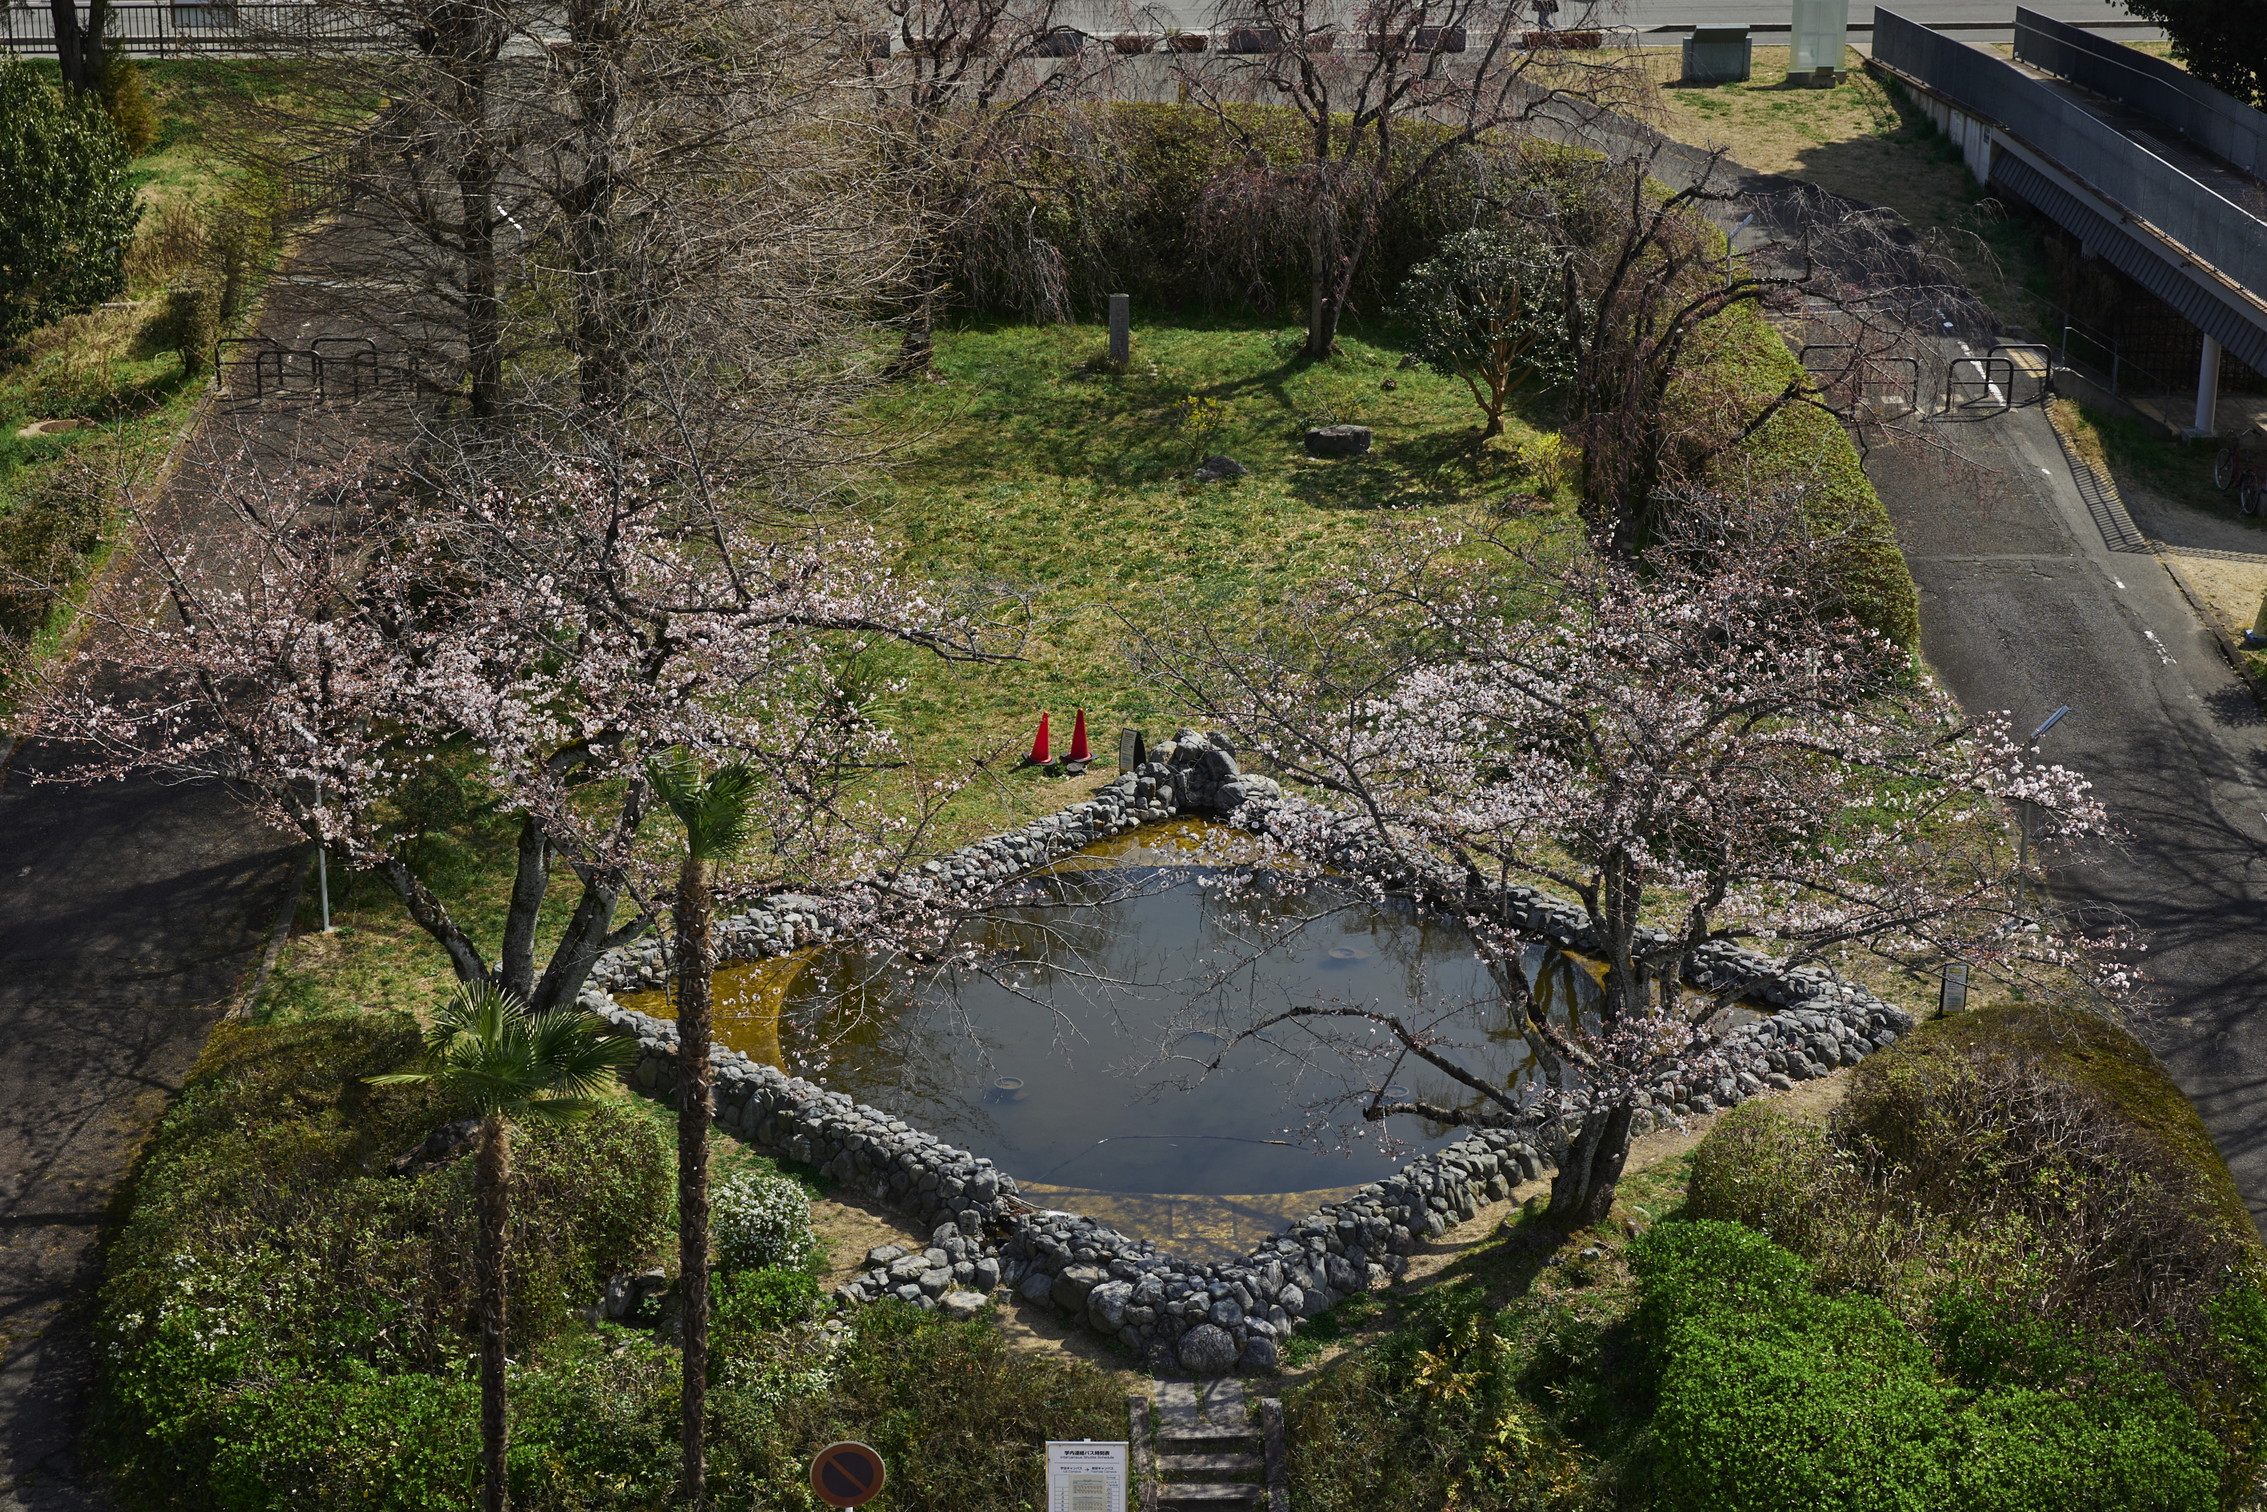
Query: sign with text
(1086, 1476)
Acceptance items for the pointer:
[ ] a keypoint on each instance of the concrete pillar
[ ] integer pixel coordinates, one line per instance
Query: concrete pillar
(1121, 329)
(2208, 389)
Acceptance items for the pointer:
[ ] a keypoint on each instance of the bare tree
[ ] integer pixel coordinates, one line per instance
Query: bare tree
(954, 92)
(1389, 97)
(1650, 278)
(1683, 744)
(79, 49)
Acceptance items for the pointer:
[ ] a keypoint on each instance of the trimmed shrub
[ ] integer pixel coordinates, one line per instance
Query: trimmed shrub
(68, 214)
(192, 325)
(760, 1221)
(46, 537)
(1772, 1395)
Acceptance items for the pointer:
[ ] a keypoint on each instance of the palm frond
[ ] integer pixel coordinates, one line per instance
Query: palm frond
(714, 811)
(485, 1046)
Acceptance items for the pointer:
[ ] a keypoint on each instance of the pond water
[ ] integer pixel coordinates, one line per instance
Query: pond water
(1078, 1058)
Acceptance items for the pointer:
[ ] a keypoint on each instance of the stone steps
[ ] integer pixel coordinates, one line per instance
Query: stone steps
(1210, 1493)
(1210, 1464)
(1203, 1446)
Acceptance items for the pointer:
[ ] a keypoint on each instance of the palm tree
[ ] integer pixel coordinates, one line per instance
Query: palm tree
(714, 813)
(512, 1066)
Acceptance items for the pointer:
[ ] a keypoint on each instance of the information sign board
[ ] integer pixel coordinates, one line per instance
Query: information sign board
(1086, 1476)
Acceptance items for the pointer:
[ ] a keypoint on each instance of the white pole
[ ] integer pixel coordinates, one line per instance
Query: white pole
(2208, 389)
(323, 868)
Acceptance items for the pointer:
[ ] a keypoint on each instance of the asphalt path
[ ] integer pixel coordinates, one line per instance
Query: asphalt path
(130, 914)
(2035, 596)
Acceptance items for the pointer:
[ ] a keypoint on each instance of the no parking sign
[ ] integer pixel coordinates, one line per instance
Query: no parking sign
(848, 1474)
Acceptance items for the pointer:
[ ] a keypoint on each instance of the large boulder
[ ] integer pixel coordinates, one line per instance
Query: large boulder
(1206, 1350)
(1106, 1305)
(1259, 1355)
(1072, 1286)
(1338, 441)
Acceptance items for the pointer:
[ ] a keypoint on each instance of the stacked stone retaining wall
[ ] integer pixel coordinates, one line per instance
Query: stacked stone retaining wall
(1172, 1313)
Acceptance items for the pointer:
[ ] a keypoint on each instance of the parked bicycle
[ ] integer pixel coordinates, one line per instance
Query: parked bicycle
(2242, 467)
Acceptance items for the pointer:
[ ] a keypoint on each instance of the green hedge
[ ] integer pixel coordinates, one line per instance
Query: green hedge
(1773, 1395)
(1805, 449)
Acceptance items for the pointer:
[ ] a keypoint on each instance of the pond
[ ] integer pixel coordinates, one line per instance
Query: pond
(1078, 1060)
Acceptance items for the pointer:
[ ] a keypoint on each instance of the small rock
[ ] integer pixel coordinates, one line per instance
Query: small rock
(1206, 1350)
(1259, 1356)
(1219, 469)
(1390, 384)
(883, 1254)
(959, 1305)
(1338, 441)
(1593, 1253)
(1035, 1287)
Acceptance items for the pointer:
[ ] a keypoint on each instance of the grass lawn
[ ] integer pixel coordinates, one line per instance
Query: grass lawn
(1031, 468)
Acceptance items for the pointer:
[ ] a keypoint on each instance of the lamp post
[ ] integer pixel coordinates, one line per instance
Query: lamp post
(2023, 826)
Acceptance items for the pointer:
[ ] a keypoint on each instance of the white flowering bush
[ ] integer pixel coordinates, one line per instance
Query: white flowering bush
(759, 1221)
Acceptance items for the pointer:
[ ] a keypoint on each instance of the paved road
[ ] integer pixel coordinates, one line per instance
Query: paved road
(2032, 599)
(1103, 16)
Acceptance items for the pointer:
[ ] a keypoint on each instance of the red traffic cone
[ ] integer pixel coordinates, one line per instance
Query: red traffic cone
(1039, 747)
(1078, 740)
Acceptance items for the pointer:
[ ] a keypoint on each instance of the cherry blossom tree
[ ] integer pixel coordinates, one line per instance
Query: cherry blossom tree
(546, 639)
(1694, 745)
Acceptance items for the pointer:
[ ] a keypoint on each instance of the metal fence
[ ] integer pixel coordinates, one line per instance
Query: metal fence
(161, 30)
(2210, 226)
(2218, 123)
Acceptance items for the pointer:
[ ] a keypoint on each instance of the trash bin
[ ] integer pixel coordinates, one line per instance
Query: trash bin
(1718, 55)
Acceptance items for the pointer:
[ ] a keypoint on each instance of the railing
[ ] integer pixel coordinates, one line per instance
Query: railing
(2217, 122)
(166, 30)
(2209, 226)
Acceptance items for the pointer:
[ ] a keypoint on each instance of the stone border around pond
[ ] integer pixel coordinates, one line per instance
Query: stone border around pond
(1170, 1313)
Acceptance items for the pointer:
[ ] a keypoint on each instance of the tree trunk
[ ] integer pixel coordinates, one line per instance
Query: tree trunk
(918, 348)
(69, 59)
(693, 1111)
(483, 311)
(1323, 302)
(1582, 1192)
(494, 1175)
(601, 361)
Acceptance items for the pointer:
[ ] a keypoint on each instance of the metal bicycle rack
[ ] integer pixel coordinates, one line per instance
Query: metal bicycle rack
(2032, 366)
(1877, 387)
(1984, 384)
(326, 368)
(347, 366)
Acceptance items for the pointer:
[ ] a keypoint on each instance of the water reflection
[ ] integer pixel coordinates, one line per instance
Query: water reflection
(1080, 1056)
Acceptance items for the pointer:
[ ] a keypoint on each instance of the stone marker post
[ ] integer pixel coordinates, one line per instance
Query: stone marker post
(1132, 750)
(1121, 329)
